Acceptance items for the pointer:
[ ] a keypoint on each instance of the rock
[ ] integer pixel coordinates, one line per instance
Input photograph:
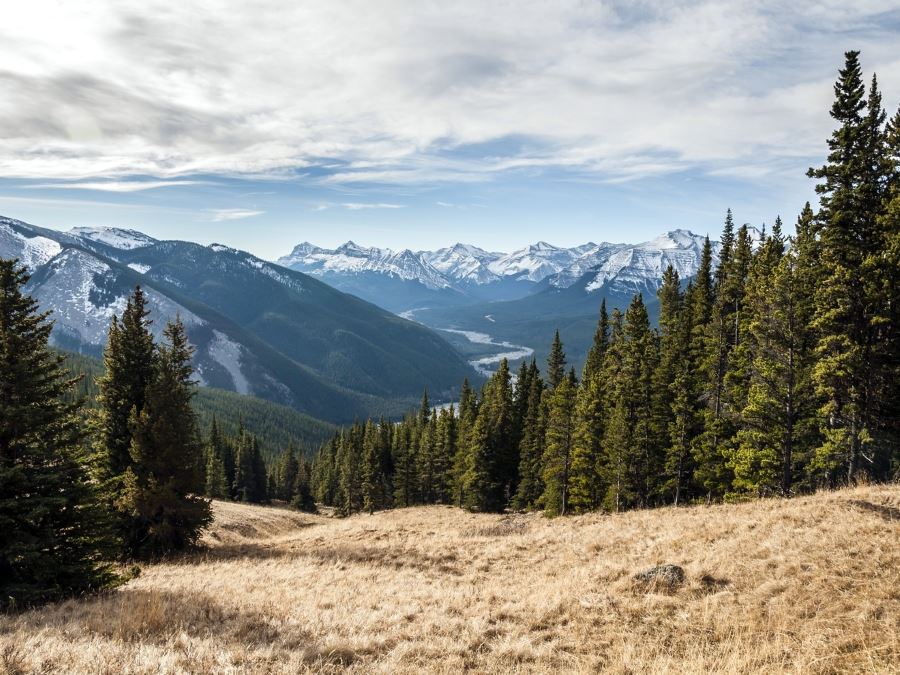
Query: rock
(662, 575)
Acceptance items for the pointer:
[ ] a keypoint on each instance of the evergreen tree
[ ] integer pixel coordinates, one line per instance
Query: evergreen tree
(531, 446)
(302, 491)
(556, 363)
(778, 417)
(129, 360)
(848, 234)
(406, 476)
(594, 362)
(350, 462)
(216, 480)
(586, 489)
(372, 479)
(287, 474)
(632, 461)
(485, 483)
(558, 452)
(54, 535)
(160, 488)
(718, 339)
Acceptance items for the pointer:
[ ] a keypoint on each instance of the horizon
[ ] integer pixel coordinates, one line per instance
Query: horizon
(486, 124)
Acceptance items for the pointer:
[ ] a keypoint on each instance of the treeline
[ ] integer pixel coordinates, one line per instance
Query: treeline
(235, 469)
(774, 372)
(274, 426)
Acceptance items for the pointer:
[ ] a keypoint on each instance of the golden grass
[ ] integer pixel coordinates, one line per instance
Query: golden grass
(810, 585)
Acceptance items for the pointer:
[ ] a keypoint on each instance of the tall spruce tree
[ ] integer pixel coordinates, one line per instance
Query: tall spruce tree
(847, 232)
(161, 488)
(556, 363)
(778, 418)
(558, 451)
(531, 445)
(632, 462)
(55, 539)
(485, 485)
(586, 490)
(129, 362)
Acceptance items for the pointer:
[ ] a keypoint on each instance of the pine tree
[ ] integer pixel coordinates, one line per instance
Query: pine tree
(54, 534)
(710, 446)
(216, 480)
(486, 483)
(287, 475)
(372, 479)
(556, 363)
(586, 489)
(161, 487)
(632, 462)
(302, 491)
(215, 485)
(350, 463)
(531, 446)
(844, 373)
(129, 360)
(406, 476)
(594, 362)
(558, 452)
(778, 417)
(468, 410)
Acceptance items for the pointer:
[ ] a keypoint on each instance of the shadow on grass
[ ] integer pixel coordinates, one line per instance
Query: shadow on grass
(162, 618)
(888, 513)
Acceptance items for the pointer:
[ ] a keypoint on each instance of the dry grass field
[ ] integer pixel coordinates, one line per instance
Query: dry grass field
(810, 585)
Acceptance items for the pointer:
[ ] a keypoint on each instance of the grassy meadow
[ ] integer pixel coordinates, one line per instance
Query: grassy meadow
(809, 585)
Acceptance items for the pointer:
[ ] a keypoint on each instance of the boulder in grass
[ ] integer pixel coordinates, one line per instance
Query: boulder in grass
(665, 576)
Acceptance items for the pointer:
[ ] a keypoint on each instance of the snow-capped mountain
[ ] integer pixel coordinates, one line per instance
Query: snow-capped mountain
(114, 237)
(354, 259)
(464, 263)
(257, 327)
(534, 263)
(465, 274)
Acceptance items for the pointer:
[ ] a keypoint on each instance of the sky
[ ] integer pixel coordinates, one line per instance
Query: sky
(418, 124)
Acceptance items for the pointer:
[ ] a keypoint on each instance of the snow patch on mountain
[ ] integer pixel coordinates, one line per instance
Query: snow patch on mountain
(139, 268)
(116, 237)
(534, 263)
(350, 258)
(463, 262)
(228, 354)
(31, 251)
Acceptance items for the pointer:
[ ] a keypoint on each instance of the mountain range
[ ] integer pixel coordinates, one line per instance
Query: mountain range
(463, 274)
(490, 304)
(258, 328)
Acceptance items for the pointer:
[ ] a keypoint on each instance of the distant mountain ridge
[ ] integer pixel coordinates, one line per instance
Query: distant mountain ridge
(258, 328)
(466, 274)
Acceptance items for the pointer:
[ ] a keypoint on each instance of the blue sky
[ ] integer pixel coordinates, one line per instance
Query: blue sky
(418, 125)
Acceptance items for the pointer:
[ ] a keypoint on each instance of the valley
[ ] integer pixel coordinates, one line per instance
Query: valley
(258, 328)
(519, 299)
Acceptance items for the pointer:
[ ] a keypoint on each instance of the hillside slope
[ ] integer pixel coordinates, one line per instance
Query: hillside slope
(258, 328)
(808, 585)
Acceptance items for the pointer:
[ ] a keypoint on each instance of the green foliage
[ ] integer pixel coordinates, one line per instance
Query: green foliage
(54, 535)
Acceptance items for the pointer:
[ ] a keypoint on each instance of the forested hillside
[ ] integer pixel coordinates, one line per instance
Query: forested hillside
(276, 426)
(775, 372)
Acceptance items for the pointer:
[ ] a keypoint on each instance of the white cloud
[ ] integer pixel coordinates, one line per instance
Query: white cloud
(392, 90)
(116, 186)
(219, 215)
(358, 206)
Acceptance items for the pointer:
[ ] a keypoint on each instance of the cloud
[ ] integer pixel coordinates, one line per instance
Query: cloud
(375, 92)
(219, 215)
(358, 206)
(116, 186)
